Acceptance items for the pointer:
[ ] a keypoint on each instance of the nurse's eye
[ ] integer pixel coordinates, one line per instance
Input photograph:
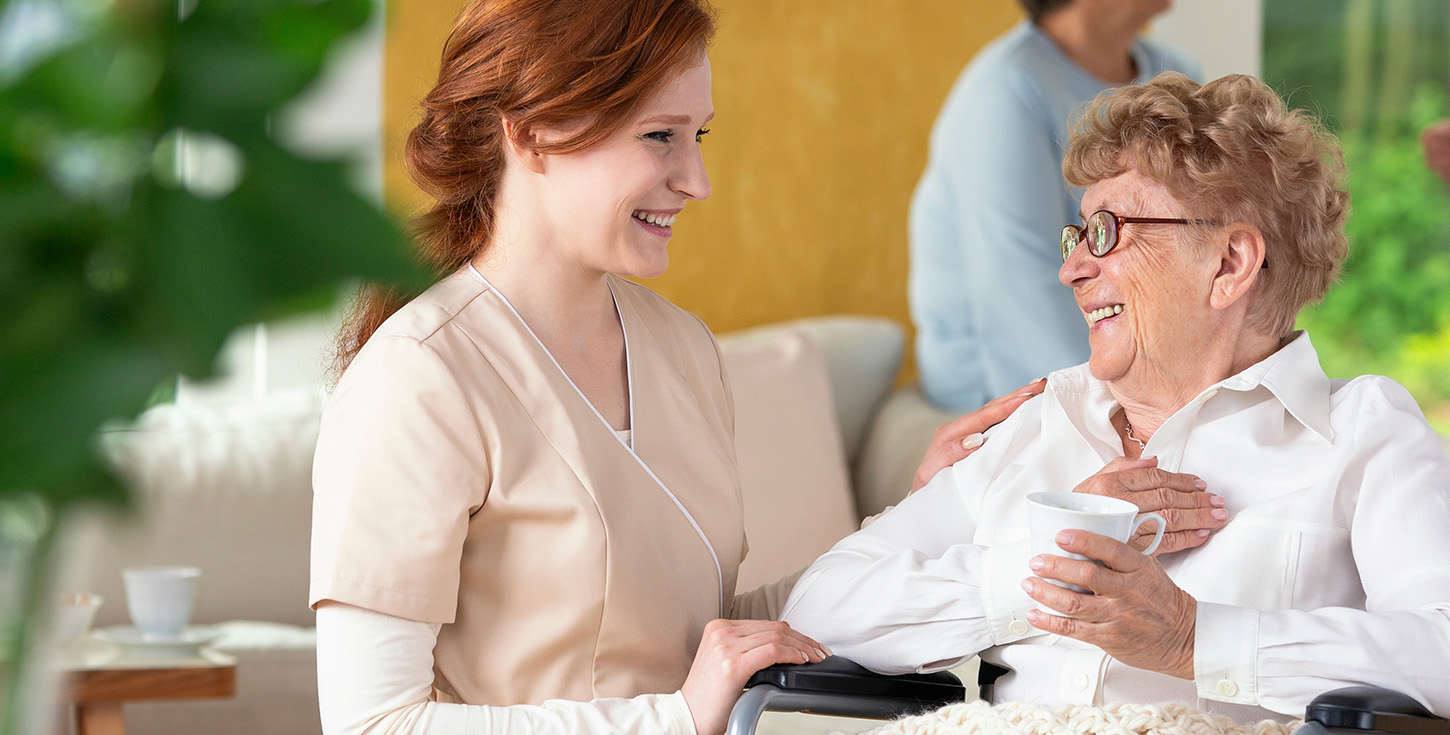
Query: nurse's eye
(699, 135)
(660, 136)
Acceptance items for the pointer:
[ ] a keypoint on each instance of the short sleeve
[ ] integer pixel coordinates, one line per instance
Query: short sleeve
(400, 467)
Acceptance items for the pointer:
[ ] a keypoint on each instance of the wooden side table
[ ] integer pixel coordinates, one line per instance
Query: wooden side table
(98, 686)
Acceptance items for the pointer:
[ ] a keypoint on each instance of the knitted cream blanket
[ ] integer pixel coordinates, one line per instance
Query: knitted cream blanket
(1017, 718)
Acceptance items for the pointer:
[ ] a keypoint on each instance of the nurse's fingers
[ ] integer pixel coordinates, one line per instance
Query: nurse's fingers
(788, 637)
(730, 652)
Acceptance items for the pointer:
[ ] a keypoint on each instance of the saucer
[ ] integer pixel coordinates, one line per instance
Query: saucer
(136, 644)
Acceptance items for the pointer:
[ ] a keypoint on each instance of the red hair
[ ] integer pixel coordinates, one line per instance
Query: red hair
(536, 64)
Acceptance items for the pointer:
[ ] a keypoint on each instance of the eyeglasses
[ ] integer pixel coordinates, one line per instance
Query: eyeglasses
(1102, 229)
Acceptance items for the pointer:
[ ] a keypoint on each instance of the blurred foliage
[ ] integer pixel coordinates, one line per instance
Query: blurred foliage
(145, 213)
(1378, 72)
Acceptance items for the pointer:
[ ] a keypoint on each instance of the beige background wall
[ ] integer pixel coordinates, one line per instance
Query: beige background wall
(823, 111)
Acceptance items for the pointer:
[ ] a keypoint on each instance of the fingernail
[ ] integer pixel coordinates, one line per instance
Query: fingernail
(827, 649)
(821, 653)
(1026, 395)
(1036, 563)
(1202, 532)
(1033, 616)
(1219, 513)
(1200, 484)
(973, 441)
(1064, 537)
(1040, 380)
(1027, 586)
(1217, 501)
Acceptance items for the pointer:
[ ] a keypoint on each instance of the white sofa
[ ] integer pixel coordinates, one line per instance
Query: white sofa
(223, 483)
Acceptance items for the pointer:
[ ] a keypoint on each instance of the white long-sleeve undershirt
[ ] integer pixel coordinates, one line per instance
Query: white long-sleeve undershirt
(375, 675)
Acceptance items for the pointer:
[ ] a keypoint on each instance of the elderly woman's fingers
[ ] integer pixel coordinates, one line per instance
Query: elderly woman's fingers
(1179, 497)
(1162, 483)
(1136, 614)
(1064, 601)
(1173, 541)
(955, 440)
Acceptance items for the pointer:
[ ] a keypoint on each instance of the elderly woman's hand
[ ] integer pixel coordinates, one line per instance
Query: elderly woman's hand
(956, 440)
(1137, 614)
(1191, 512)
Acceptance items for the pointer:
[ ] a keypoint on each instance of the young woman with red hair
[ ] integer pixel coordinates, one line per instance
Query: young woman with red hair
(527, 513)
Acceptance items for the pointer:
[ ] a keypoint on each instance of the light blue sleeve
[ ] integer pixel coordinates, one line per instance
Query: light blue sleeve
(1005, 201)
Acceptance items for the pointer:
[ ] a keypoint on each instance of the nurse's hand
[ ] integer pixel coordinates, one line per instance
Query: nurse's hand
(1135, 612)
(956, 440)
(1191, 511)
(730, 652)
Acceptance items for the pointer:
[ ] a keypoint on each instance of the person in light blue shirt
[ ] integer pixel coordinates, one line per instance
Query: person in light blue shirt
(990, 314)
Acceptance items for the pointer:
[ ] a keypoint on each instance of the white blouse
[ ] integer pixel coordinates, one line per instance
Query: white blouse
(1333, 570)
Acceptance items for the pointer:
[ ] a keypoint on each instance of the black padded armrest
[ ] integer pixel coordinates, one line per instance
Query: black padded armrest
(843, 676)
(1376, 710)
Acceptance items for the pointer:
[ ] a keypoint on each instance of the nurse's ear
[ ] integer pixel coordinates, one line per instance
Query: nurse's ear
(522, 147)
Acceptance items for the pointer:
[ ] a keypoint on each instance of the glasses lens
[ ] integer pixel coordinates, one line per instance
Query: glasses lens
(1071, 236)
(1102, 231)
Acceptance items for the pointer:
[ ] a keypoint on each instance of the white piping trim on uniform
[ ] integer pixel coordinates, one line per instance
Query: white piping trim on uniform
(628, 446)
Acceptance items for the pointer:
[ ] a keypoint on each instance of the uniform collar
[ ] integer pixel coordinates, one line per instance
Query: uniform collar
(1292, 375)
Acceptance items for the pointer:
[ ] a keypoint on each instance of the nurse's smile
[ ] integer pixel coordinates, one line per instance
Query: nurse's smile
(657, 221)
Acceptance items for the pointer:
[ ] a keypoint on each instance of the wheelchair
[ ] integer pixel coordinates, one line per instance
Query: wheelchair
(840, 687)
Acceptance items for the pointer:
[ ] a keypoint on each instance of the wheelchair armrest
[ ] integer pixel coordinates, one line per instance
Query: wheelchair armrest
(839, 686)
(1372, 709)
(844, 676)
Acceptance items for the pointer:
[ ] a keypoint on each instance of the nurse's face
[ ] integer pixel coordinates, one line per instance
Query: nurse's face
(612, 207)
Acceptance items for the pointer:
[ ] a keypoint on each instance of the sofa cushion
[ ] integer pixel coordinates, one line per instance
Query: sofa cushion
(894, 447)
(793, 477)
(862, 356)
(224, 486)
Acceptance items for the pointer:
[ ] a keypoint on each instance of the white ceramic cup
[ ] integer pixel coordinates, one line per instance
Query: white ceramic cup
(1048, 514)
(73, 617)
(160, 599)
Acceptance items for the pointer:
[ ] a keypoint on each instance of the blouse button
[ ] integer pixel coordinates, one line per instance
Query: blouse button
(1228, 688)
(1018, 627)
(1080, 682)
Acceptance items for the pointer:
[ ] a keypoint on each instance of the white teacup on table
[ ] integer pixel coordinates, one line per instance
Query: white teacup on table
(160, 599)
(1049, 514)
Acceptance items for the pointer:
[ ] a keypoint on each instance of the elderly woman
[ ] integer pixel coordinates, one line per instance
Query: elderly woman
(1211, 215)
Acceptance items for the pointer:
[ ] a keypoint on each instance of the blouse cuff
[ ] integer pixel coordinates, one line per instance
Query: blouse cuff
(677, 713)
(1004, 566)
(1225, 653)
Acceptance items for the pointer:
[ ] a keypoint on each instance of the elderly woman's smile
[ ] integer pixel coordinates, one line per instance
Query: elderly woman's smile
(1147, 301)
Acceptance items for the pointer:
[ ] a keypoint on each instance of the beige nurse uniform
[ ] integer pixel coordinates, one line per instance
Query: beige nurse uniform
(462, 479)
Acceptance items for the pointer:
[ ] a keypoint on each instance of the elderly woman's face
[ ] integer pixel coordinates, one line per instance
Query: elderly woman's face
(1146, 301)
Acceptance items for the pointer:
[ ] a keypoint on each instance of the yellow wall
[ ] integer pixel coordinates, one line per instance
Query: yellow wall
(823, 111)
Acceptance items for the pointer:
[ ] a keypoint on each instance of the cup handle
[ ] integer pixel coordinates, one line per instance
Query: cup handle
(1157, 537)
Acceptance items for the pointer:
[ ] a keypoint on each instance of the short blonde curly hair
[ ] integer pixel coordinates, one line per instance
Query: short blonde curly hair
(1230, 150)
